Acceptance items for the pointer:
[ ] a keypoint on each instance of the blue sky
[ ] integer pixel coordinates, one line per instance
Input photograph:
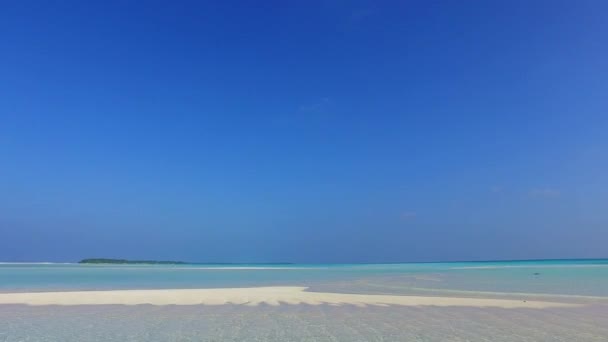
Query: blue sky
(318, 131)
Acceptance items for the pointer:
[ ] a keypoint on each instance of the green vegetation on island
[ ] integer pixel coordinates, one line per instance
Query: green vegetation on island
(163, 262)
(124, 261)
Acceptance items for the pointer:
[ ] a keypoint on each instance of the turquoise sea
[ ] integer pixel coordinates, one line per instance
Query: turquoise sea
(566, 277)
(578, 281)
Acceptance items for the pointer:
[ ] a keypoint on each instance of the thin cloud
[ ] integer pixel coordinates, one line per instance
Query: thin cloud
(319, 106)
(408, 215)
(544, 193)
(361, 14)
(496, 189)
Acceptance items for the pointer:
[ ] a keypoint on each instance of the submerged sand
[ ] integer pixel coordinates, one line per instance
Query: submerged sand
(255, 296)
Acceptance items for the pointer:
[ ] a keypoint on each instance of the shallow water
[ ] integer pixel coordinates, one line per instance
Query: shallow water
(569, 277)
(299, 323)
(580, 281)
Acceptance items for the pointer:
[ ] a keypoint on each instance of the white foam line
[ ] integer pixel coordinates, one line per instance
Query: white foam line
(525, 266)
(36, 263)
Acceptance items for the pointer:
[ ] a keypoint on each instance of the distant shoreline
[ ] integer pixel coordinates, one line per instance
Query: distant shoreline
(143, 262)
(164, 262)
(129, 262)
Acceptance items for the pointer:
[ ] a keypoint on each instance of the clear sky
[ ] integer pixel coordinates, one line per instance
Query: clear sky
(311, 131)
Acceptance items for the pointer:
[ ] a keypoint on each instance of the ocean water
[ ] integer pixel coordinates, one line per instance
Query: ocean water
(580, 281)
(560, 277)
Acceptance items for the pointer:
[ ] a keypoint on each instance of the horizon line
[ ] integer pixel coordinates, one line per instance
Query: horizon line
(320, 263)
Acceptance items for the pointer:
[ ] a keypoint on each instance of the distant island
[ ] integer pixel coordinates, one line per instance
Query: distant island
(163, 262)
(124, 261)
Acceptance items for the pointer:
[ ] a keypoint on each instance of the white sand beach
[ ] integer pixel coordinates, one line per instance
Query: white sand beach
(256, 296)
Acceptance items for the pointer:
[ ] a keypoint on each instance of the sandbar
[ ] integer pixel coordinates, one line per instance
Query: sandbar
(273, 295)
